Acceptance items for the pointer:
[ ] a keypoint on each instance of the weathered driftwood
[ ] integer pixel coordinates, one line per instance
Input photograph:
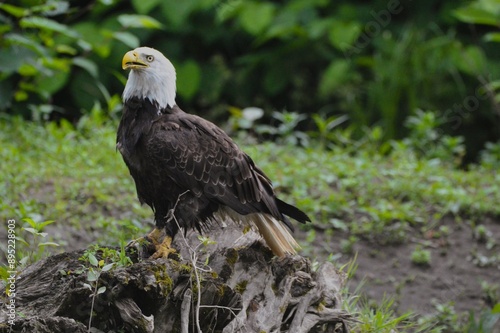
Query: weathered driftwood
(240, 288)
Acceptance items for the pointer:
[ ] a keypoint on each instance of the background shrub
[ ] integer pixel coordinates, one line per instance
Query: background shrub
(376, 62)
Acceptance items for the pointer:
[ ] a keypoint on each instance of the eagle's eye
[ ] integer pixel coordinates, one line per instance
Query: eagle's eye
(150, 58)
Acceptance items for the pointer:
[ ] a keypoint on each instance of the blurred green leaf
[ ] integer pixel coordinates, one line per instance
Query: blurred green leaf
(228, 9)
(492, 37)
(51, 8)
(94, 36)
(12, 58)
(14, 10)
(107, 267)
(42, 225)
(145, 6)
(47, 24)
(31, 230)
(50, 84)
(87, 65)
(188, 79)
(343, 34)
(475, 14)
(256, 16)
(93, 260)
(470, 60)
(319, 27)
(127, 38)
(27, 70)
(30, 221)
(47, 244)
(92, 276)
(29, 43)
(335, 75)
(139, 21)
(66, 49)
(177, 12)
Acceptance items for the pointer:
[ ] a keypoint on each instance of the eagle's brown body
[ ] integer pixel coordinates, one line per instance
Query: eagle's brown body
(186, 166)
(182, 160)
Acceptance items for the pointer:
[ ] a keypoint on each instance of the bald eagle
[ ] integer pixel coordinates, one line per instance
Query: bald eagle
(187, 169)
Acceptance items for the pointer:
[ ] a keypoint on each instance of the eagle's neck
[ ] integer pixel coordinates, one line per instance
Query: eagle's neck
(159, 88)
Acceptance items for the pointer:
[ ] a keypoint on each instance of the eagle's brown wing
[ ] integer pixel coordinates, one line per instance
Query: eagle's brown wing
(200, 157)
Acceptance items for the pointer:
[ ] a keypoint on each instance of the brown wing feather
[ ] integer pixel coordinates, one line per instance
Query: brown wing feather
(202, 158)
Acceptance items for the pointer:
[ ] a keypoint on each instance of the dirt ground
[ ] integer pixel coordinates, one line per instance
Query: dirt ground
(460, 262)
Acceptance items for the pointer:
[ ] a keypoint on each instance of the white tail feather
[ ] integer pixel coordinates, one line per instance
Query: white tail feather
(276, 235)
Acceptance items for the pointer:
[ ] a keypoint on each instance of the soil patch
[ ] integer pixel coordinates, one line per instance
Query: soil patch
(460, 263)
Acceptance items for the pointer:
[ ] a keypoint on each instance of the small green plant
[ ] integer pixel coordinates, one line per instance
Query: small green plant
(421, 257)
(486, 322)
(428, 141)
(33, 241)
(481, 233)
(110, 258)
(491, 293)
(286, 131)
(382, 318)
(490, 156)
(445, 319)
(484, 236)
(324, 128)
(94, 271)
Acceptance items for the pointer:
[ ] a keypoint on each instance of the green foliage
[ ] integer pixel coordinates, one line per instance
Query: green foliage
(421, 257)
(31, 242)
(491, 294)
(356, 186)
(484, 12)
(381, 317)
(486, 322)
(286, 131)
(446, 319)
(94, 270)
(490, 156)
(42, 57)
(376, 63)
(108, 256)
(427, 140)
(91, 177)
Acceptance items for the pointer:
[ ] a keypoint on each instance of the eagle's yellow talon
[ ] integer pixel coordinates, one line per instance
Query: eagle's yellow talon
(164, 249)
(156, 235)
(158, 239)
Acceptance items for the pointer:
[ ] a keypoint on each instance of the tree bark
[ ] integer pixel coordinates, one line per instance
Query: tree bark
(230, 286)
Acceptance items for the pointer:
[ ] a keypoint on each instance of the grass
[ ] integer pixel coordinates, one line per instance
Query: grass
(74, 176)
(377, 197)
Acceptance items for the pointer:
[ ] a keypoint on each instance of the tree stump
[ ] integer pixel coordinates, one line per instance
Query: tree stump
(228, 286)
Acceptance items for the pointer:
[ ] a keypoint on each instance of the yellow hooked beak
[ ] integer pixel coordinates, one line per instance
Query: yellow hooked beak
(131, 61)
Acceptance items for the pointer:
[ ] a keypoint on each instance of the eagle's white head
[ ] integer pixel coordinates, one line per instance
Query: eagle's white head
(152, 76)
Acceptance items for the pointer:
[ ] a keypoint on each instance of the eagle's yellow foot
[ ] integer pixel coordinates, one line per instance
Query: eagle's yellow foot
(156, 235)
(163, 249)
(153, 237)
